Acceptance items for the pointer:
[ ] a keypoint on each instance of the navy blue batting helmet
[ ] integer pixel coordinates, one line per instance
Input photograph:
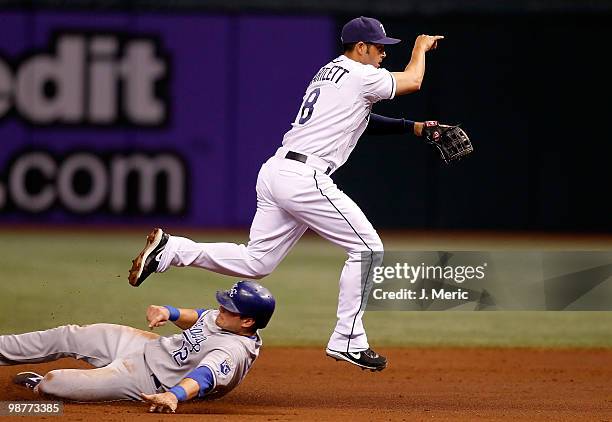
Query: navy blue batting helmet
(249, 299)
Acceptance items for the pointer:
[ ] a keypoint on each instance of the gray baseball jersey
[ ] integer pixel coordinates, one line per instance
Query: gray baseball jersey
(128, 360)
(229, 356)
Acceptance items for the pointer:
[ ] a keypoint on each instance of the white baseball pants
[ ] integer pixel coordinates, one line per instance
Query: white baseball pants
(292, 197)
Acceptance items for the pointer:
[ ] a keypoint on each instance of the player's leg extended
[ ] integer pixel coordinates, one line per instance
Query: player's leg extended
(123, 379)
(98, 344)
(273, 233)
(332, 214)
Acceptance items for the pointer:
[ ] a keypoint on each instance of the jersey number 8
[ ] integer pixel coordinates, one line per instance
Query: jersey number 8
(308, 107)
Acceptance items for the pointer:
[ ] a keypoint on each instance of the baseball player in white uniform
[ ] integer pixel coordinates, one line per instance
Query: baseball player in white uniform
(295, 191)
(208, 359)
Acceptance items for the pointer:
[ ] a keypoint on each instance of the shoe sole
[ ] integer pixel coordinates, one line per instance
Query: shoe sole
(340, 357)
(153, 240)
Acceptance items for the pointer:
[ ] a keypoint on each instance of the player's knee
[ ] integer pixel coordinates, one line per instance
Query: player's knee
(377, 245)
(370, 254)
(373, 246)
(260, 272)
(68, 331)
(374, 242)
(261, 269)
(62, 329)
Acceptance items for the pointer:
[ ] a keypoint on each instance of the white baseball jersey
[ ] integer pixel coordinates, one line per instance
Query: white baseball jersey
(229, 356)
(336, 108)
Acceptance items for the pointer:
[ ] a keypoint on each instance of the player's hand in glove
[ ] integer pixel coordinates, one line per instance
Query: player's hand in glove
(162, 402)
(451, 141)
(157, 316)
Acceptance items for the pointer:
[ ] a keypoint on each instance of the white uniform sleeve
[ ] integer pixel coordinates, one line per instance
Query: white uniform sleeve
(378, 84)
(223, 366)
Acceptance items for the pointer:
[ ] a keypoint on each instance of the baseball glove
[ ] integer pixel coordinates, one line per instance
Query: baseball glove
(451, 141)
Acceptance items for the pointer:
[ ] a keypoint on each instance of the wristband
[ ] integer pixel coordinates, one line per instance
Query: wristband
(174, 313)
(179, 392)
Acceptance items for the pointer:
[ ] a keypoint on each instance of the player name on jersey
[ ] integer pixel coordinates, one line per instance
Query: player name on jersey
(333, 73)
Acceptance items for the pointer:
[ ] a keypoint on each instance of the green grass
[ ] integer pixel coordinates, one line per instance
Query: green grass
(50, 278)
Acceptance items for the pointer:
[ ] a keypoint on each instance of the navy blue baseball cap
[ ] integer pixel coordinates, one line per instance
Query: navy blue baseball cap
(366, 30)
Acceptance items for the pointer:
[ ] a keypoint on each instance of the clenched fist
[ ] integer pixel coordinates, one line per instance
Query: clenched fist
(157, 316)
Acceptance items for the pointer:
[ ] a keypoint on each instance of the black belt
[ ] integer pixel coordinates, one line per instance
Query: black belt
(296, 156)
(156, 382)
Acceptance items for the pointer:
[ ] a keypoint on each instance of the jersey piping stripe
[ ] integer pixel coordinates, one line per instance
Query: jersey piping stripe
(366, 245)
(392, 86)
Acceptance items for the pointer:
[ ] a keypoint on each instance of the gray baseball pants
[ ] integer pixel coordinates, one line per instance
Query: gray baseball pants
(116, 351)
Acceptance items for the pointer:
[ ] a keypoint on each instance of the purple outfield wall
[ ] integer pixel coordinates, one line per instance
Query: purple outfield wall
(146, 118)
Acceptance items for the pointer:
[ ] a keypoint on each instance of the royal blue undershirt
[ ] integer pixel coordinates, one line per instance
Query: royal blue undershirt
(203, 376)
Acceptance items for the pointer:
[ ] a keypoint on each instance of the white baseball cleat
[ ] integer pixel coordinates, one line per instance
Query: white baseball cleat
(365, 359)
(147, 260)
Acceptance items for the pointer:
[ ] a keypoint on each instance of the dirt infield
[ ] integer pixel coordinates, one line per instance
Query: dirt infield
(420, 384)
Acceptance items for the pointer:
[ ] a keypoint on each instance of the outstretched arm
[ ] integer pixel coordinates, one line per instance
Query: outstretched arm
(382, 125)
(411, 78)
(196, 384)
(168, 402)
(182, 318)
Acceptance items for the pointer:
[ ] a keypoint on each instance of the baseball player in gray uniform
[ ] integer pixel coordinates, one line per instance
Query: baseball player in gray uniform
(295, 191)
(208, 359)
